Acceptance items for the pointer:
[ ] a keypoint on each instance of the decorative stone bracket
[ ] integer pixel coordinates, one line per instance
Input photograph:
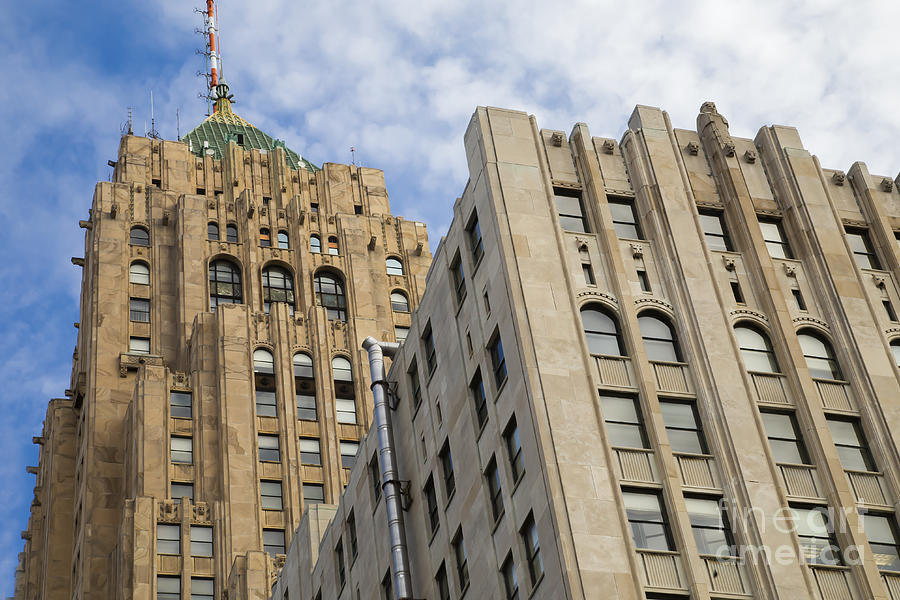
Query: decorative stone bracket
(693, 148)
(132, 362)
(729, 263)
(750, 156)
(557, 139)
(609, 146)
(637, 251)
(887, 184)
(838, 177)
(790, 270)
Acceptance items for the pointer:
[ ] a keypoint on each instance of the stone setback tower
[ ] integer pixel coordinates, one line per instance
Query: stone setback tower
(217, 383)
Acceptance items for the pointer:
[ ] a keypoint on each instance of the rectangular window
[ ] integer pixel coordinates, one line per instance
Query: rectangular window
(851, 445)
(270, 495)
(269, 448)
(647, 519)
(889, 310)
(624, 218)
(400, 333)
(310, 452)
(459, 278)
(313, 207)
(339, 565)
(514, 450)
(313, 493)
(182, 490)
(168, 539)
(495, 491)
(798, 299)
(644, 280)
(168, 588)
(713, 224)
(180, 404)
(431, 505)
(862, 248)
(475, 243)
(387, 587)
(818, 544)
(201, 541)
(203, 589)
(375, 477)
(498, 361)
(348, 454)
(182, 450)
(784, 438)
(709, 523)
(776, 241)
(306, 403)
(345, 409)
(623, 421)
(266, 403)
(139, 345)
(588, 273)
(443, 586)
(683, 427)
(430, 354)
(273, 541)
(459, 555)
(351, 533)
(447, 470)
(510, 582)
(414, 385)
(140, 310)
(532, 549)
(478, 395)
(881, 531)
(737, 292)
(571, 211)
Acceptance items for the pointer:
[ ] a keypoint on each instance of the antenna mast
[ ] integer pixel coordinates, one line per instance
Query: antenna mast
(153, 133)
(213, 55)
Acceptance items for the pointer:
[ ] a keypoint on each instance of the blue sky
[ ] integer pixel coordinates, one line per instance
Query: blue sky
(399, 81)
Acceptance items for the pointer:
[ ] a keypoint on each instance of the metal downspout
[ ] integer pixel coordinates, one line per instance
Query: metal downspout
(390, 481)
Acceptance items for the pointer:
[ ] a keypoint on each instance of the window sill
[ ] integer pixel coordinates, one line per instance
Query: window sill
(517, 484)
(535, 586)
(434, 534)
(477, 263)
(500, 388)
(450, 497)
(497, 521)
(465, 589)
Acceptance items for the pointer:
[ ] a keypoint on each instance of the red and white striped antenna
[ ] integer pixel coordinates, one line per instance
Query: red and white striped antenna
(213, 54)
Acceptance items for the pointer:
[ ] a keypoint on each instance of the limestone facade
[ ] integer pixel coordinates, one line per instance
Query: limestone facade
(217, 383)
(699, 365)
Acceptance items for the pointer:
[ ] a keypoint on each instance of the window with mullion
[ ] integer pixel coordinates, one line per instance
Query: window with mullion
(713, 224)
(816, 532)
(168, 587)
(180, 404)
(784, 438)
(819, 356)
(495, 490)
(202, 588)
(683, 427)
(863, 251)
(431, 505)
(201, 540)
(139, 310)
(271, 495)
(476, 244)
(478, 395)
(601, 332)
(532, 544)
(168, 538)
(462, 564)
(624, 424)
(459, 278)
(776, 241)
(414, 385)
(498, 361)
(310, 452)
(624, 217)
(447, 469)
(510, 581)
(430, 354)
(881, 531)
(571, 211)
(709, 522)
(647, 519)
(851, 445)
(514, 451)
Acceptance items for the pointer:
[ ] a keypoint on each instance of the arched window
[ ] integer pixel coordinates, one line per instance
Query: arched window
(139, 273)
(278, 286)
(264, 383)
(224, 283)
(756, 350)
(330, 294)
(601, 331)
(332, 245)
(819, 356)
(283, 241)
(394, 266)
(895, 349)
(399, 302)
(265, 238)
(212, 231)
(139, 237)
(305, 387)
(315, 244)
(659, 339)
(231, 234)
(345, 398)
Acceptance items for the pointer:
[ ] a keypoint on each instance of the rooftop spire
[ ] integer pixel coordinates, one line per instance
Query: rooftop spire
(213, 54)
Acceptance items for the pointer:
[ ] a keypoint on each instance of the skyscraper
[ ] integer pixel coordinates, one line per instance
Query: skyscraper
(217, 386)
(664, 367)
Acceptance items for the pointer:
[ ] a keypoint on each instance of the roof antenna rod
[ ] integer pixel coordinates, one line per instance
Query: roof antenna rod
(211, 74)
(153, 133)
(178, 123)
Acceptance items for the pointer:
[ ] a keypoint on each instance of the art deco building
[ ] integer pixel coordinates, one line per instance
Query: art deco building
(217, 387)
(663, 368)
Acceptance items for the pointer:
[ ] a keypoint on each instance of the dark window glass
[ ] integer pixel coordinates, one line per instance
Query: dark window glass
(414, 384)
(816, 532)
(647, 519)
(498, 361)
(313, 493)
(756, 350)
(643, 280)
(659, 339)
(588, 272)
(351, 532)
(862, 249)
(776, 242)
(430, 354)
(375, 477)
(180, 404)
(683, 427)
(623, 422)
(266, 403)
(709, 522)
(889, 310)
(265, 238)
(714, 230)
(462, 562)
(475, 243)
(305, 387)
(514, 451)
(394, 266)
(139, 310)
(284, 241)
(278, 286)
(737, 292)
(431, 505)
(447, 470)
(495, 491)
(798, 299)
(224, 284)
(399, 302)
(881, 531)
(895, 350)
(212, 231)
(270, 495)
(784, 438)
(625, 220)
(459, 278)
(269, 449)
(139, 237)
(602, 332)
(478, 395)
(532, 549)
(231, 234)
(330, 294)
(571, 211)
(387, 587)
(339, 564)
(510, 582)
(851, 445)
(819, 357)
(443, 586)
(273, 541)
(349, 451)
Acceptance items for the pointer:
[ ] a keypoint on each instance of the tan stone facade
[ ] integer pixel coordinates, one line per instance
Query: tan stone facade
(692, 325)
(183, 453)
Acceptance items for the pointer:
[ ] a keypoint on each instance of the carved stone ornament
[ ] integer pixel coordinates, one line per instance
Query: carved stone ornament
(263, 211)
(234, 182)
(223, 246)
(168, 510)
(807, 320)
(201, 512)
(211, 205)
(281, 214)
(608, 297)
(372, 241)
(728, 147)
(654, 301)
(276, 253)
(879, 280)
(609, 146)
(229, 207)
(637, 251)
(887, 184)
(294, 178)
(557, 139)
(693, 148)
(581, 243)
(708, 107)
(838, 177)
(331, 219)
(748, 312)
(113, 210)
(790, 270)
(750, 156)
(199, 165)
(729, 262)
(246, 159)
(180, 378)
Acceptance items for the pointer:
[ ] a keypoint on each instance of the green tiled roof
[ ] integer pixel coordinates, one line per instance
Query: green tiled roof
(224, 126)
